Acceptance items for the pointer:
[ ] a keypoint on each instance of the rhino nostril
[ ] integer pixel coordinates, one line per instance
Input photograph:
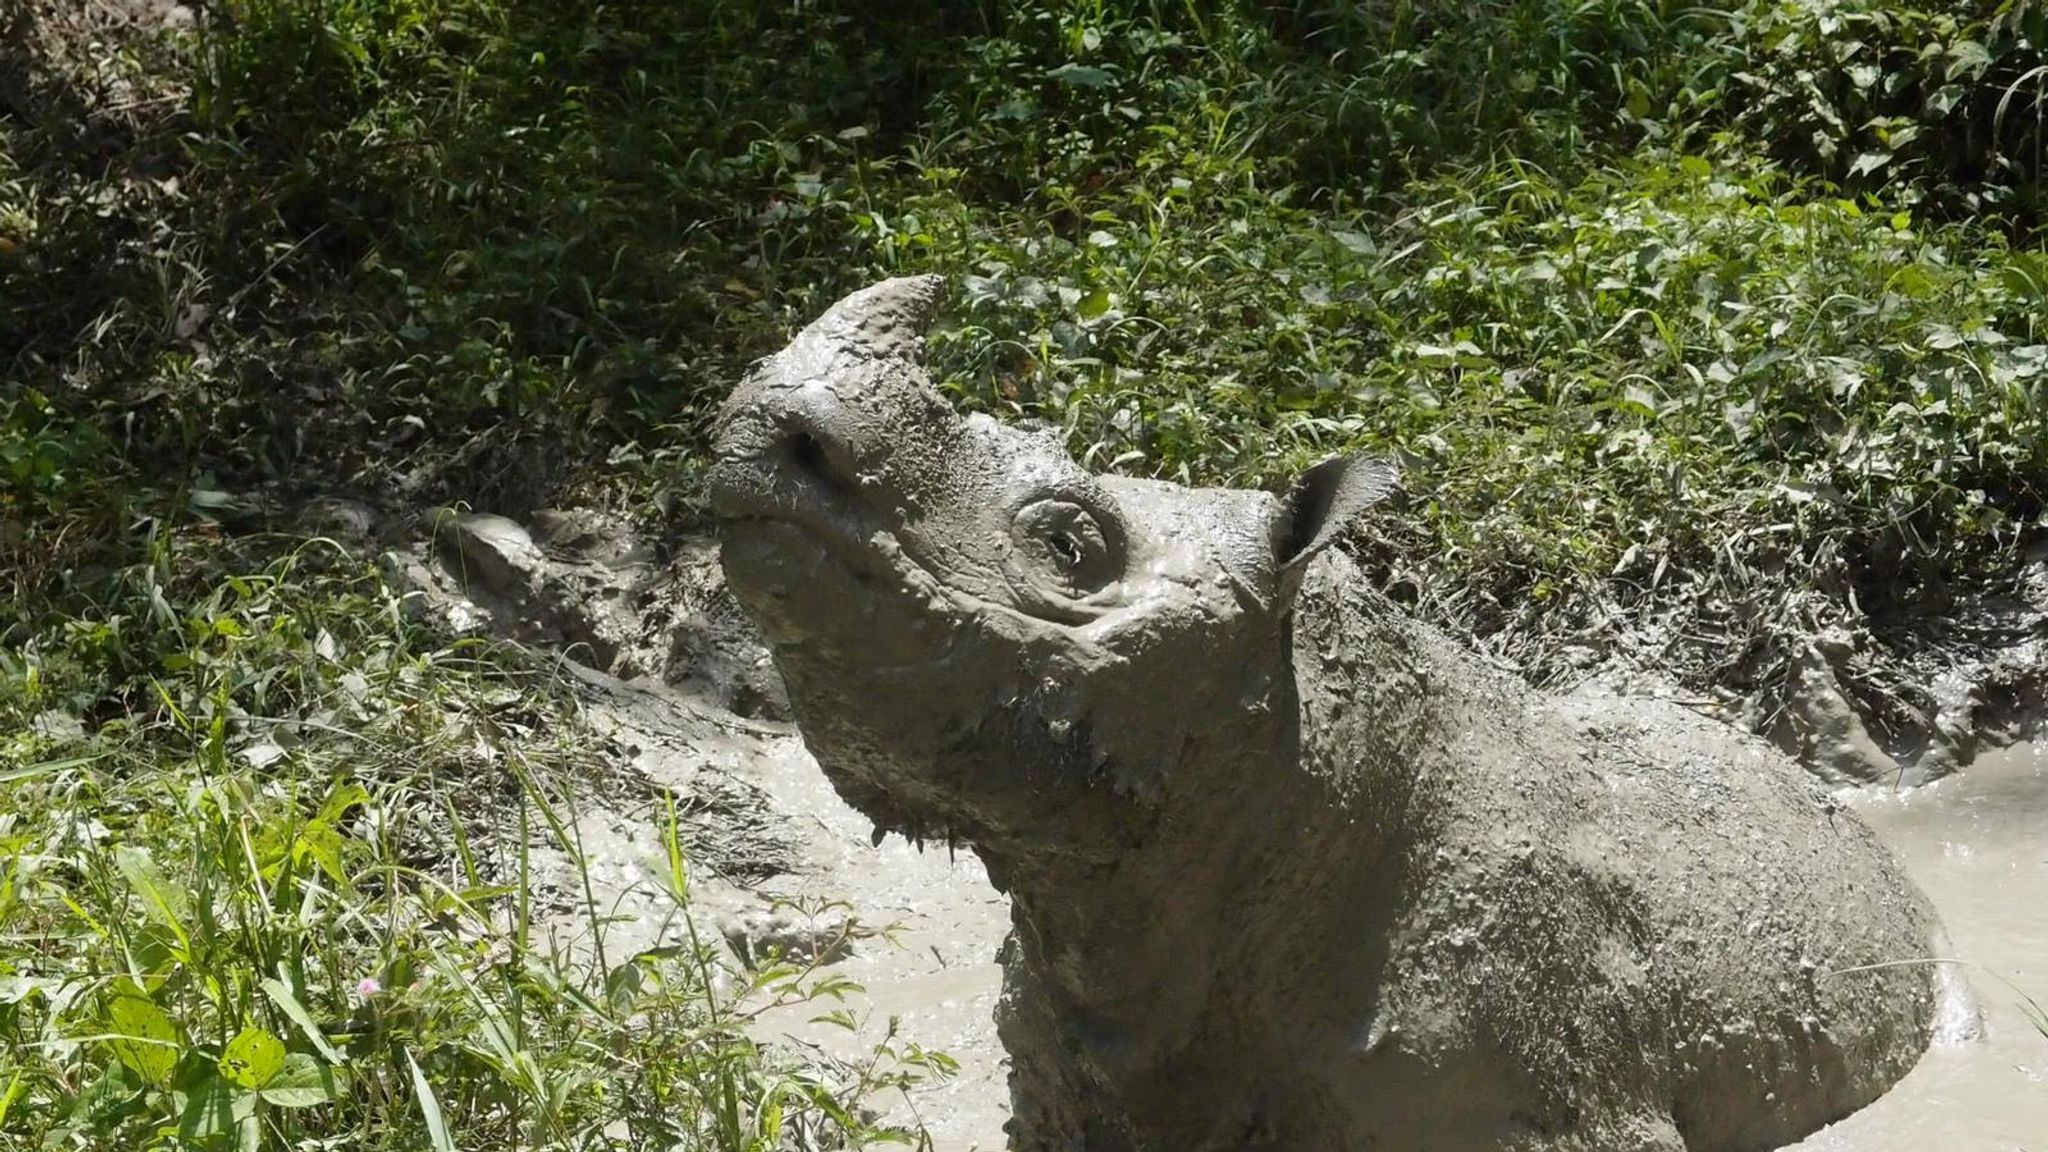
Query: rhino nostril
(806, 451)
(810, 456)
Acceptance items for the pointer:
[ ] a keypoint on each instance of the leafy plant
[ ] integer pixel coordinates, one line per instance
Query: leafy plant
(1696, 331)
(276, 901)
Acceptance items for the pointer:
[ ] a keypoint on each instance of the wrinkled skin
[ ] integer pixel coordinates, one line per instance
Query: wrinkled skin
(1290, 870)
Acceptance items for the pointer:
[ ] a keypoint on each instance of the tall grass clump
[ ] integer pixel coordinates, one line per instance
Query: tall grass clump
(1668, 391)
(268, 880)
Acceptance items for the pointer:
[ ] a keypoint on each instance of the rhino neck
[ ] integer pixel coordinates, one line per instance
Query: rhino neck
(1374, 693)
(1155, 964)
(1121, 967)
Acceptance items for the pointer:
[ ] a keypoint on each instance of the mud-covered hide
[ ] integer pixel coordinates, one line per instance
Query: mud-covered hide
(1289, 869)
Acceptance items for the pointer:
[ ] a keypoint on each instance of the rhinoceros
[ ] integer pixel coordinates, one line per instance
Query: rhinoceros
(1290, 869)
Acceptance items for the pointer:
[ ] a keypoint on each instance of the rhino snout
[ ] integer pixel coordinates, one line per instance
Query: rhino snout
(780, 456)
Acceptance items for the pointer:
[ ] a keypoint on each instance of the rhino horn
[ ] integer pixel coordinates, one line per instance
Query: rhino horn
(885, 321)
(880, 327)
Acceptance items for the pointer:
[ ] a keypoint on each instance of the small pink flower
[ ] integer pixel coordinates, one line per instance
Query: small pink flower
(368, 987)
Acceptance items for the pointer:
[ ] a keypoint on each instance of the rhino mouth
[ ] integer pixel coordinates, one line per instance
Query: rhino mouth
(793, 551)
(809, 573)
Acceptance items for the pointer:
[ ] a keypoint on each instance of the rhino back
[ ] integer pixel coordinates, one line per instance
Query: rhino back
(1622, 900)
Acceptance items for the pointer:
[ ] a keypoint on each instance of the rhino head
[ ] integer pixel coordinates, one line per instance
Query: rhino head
(982, 640)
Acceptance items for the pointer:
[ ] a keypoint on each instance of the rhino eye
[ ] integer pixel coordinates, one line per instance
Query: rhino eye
(1067, 550)
(1067, 547)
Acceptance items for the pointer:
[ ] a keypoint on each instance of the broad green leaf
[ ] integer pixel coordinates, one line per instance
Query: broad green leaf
(1967, 60)
(103, 1099)
(1357, 242)
(150, 1040)
(1638, 100)
(17, 989)
(304, 1083)
(341, 800)
(208, 1113)
(15, 1087)
(2026, 275)
(1081, 76)
(269, 844)
(157, 949)
(161, 900)
(252, 1059)
(322, 843)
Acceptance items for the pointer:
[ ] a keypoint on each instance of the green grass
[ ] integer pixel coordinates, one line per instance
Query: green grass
(285, 896)
(1666, 387)
(1696, 330)
(499, 251)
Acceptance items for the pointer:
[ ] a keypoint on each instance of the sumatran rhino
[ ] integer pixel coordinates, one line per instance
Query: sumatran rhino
(1289, 869)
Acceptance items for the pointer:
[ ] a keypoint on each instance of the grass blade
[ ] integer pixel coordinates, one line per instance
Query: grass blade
(430, 1108)
(46, 768)
(281, 995)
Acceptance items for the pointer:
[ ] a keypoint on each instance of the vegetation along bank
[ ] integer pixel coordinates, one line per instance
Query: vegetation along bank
(1710, 343)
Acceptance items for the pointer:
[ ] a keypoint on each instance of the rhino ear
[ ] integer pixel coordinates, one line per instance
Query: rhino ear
(1322, 502)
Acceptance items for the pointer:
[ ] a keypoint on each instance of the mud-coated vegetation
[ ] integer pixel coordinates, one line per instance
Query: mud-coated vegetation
(1696, 332)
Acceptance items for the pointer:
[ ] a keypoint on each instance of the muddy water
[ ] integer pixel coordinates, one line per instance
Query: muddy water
(936, 974)
(1978, 844)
